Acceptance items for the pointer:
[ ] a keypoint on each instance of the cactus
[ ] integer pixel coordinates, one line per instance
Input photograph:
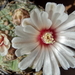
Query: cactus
(7, 26)
(6, 14)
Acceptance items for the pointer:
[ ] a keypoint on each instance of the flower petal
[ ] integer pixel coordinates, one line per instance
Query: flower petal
(62, 18)
(65, 49)
(40, 19)
(60, 8)
(5, 51)
(67, 34)
(26, 21)
(46, 22)
(38, 63)
(35, 17)
(55, 11)
(68, 24)
(67, 42)
(26, 49)
(6, 41)
(26, 62)
(50, 9)
(47, 68)
(59, 13)
(1, 49)
(30, 29)
(19, 31)
(56, 70)
(63, 62)
(72, 29)
(19, 45)
(71, 60)
(19, 42)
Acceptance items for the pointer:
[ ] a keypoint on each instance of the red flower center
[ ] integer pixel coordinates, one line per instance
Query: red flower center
(1, 40)
(47, 37)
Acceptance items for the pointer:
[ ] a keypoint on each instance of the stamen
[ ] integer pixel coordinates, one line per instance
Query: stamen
(47, 38)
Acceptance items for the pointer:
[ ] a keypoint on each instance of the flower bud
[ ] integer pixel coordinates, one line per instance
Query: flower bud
(4, 44)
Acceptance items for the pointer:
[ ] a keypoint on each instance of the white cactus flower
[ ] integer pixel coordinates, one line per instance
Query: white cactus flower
(46, 37)
(4, 44)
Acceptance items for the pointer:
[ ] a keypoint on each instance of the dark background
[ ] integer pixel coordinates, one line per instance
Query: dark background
(65, 2)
